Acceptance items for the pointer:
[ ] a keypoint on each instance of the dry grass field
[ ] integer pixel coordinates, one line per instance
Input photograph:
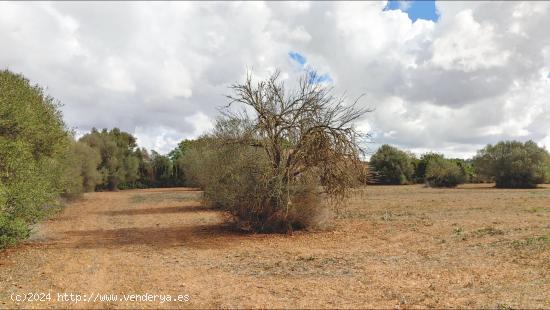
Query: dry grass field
(390, 247)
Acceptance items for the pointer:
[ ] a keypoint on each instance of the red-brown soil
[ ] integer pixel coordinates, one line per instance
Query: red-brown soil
(390, 247)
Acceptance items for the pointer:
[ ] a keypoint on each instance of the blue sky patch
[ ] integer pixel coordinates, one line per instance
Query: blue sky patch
(313, 76)
(297, 57)
(419, 9)
(316, 78)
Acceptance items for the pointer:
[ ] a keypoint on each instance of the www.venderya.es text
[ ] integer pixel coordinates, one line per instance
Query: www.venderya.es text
(92, 297)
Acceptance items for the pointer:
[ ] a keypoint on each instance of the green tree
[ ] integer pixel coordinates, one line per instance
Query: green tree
(180, 149)
(391, 166)
(442, 172)
(119, 162)
(145, 168)
(422, 164)
(81, 172)
(513, 164)
(176, 156)
(162, 170)
(468, 170)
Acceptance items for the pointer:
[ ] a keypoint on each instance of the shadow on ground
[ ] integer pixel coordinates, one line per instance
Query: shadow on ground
(201, 237)
(165, 210)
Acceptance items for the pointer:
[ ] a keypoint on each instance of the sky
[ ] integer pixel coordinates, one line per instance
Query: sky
(444, 76)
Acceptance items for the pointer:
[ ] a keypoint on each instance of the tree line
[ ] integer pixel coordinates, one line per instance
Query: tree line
(121, 164)
(509, 164)
(42, 163)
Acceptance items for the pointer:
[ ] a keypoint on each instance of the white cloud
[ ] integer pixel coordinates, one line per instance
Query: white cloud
(160, 139)
(117, 77)
(201, 122)
(404, 5)
(468, 46)
(161, 70)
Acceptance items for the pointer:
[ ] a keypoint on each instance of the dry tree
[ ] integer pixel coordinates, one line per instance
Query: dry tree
(307, 135)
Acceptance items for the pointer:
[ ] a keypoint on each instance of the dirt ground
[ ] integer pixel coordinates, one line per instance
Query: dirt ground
(390, 247)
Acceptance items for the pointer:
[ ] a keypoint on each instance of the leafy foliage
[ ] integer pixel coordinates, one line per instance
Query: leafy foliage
(176, 156)
(513, 164)
(119, 163)
(421, 165)
(81, 172)
(123, 165)
(468, 170)
(33, 141)
(442, 172)
(392, 166)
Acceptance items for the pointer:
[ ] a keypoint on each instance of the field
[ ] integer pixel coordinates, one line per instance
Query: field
(391, 247)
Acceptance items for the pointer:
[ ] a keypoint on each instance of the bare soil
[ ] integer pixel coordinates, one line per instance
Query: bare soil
(390, 247)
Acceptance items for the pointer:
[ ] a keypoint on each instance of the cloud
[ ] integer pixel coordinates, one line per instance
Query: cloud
(469, 46)
(446, 76)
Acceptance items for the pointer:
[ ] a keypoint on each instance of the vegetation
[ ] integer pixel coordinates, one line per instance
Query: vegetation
(123, 165)
(269, 169)
(81, 172)
(176, 156)
(392, 166)
(40, 161)
(33, 144)
(421, 165)
(119, 163)
(199, 165)
(434, 170)
(442, 172)
(512, 164)
(468, 170)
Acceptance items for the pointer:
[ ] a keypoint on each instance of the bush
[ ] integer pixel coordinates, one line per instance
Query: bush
(442, 172)
(199, 162)
(238, 179)
(391, 166)
(12, 230)
(421, 165)
(33, 142)
(512, 164)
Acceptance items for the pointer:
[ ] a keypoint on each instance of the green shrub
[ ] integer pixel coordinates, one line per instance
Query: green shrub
(442, 172)
(512, 164)
(391, 166)
(33, 142)
(468, 170)
(422, 164)
(12, 230)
